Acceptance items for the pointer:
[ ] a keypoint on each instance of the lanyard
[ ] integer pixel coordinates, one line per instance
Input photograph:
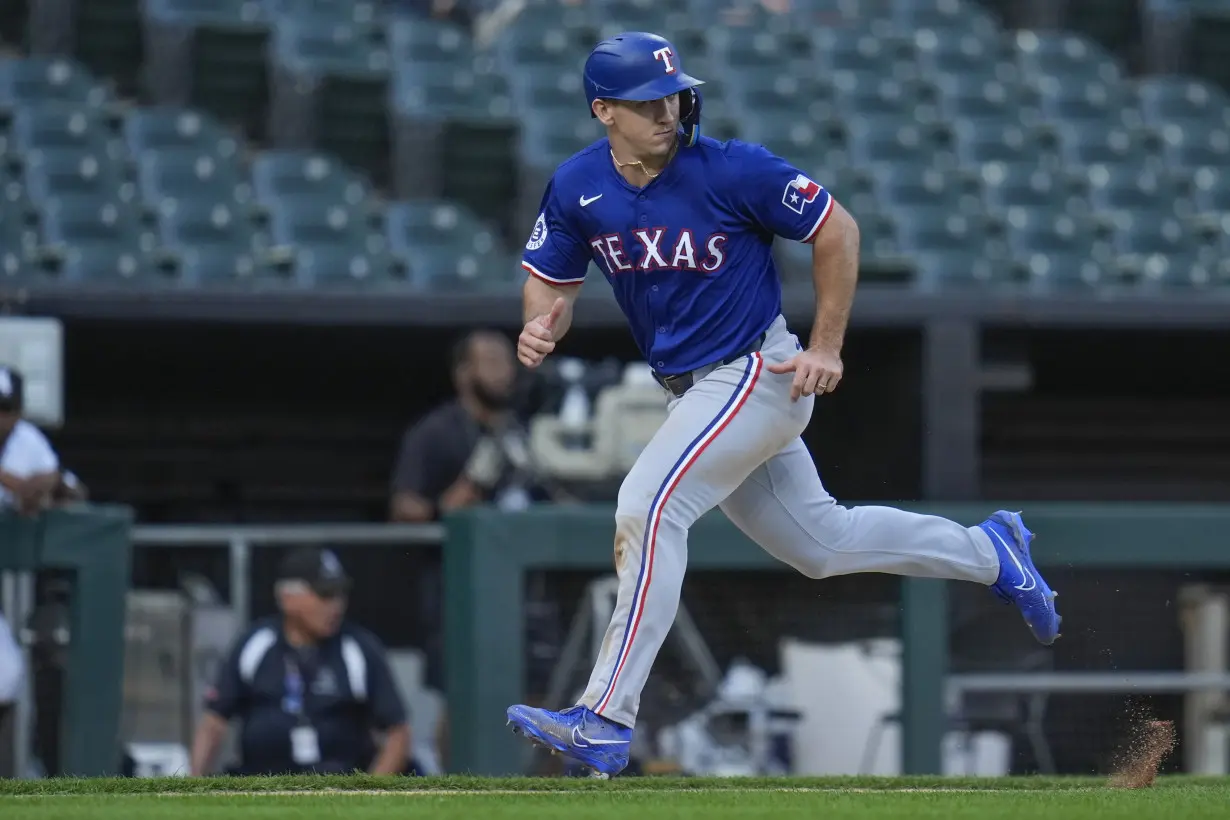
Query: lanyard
(295, 690)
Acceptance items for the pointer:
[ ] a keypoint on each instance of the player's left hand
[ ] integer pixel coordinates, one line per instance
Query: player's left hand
(816, 370)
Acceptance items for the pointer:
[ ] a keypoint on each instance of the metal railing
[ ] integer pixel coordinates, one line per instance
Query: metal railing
(241, 540)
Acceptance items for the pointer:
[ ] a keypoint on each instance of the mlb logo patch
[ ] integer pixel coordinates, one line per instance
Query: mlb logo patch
(799, 192)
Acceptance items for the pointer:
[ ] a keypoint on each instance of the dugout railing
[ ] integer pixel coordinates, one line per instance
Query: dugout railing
(488, 553)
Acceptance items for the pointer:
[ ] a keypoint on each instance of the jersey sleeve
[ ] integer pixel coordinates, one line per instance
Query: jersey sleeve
(555, 253)
(779, 197)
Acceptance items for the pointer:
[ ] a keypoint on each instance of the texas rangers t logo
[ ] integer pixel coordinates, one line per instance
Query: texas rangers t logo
(667, 58)
(799, 192)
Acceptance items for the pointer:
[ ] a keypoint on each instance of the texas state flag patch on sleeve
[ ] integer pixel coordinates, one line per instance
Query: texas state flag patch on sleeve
(800, 192)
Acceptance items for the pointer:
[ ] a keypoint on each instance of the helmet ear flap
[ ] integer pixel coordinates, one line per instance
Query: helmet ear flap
(689, 116)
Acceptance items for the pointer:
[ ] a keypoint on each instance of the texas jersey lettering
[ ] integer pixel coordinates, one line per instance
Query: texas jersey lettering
(689, 256)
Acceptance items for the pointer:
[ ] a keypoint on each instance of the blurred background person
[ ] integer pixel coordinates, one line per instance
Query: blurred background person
(30, 475)
(309, 688)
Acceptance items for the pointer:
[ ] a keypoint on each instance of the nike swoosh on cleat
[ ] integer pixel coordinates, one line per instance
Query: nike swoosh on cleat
(577, 737)
(1029, 578)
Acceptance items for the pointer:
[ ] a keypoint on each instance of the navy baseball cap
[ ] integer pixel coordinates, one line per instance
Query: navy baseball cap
(12, 390)
(317, 567)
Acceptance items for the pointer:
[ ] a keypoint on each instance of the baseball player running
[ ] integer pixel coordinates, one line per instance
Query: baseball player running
(682, 227)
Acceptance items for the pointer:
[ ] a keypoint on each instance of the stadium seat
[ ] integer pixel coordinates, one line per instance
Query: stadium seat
(867, 95)
(186, 174)
(451, 269)
(548, 91)
(1065, 57)
(359, 12)
(1211, 190)
(618, 16)
(1029, 187)
(330, 85)
(204, 224)
(956, 267)
(42, 80)
(64, 126)
(738, 49)
(212, 55)
(936, 228)
(887, 139)
(429, 42)
(159, 127)
(323, 265)
(946, 53)
(875, 53)
(1193, 145)
(810, 147)
(53, 173)
(1054, 248)
(1092, 143)
(1165, 100)
(17, 240)
(1128, 187)
(908, 185)
(412, 225)
(306, 175)
(984, 98)
(996, 141)
(293, 222)
(1071, 100)
(945, 16)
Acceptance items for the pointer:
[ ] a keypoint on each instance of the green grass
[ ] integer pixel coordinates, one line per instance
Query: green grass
(476, 798)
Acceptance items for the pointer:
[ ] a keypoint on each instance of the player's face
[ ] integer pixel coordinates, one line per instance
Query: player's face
(646, 128)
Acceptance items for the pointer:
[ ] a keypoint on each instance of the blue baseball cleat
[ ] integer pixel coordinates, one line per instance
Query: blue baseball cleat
(1019, 581)
(578, 734)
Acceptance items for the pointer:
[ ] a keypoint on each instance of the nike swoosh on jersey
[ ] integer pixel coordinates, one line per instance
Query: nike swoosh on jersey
(577, 738)
(587, 200)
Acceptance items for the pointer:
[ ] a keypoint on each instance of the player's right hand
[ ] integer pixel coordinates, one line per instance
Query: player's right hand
(537, 338)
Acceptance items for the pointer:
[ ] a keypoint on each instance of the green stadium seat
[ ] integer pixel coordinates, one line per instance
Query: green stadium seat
(342, 264)
(861, 94)
(358, 12)
(962, 54)
(1211, 190)
(982, 97)
(862, 50)
(525, 46)
(1026, 187)
(212, 55)
(160, 127)
(428, 42)
(549, 138)
(936, 228)
(945, 15)
(303, 175)
(440, 268)
(294, 223)
(1092, 143)
(1165, 100)
(52, 173)
(742, 48)
(909, 185)
(580, 21)
(1054, 248)
(980, 142)
(809, 146)
(64, 126)
(330, 91)
(1129, 188)
(889, 139)
(42, 80)
(204, 265)
(107, 263)
(412, 225)
(1194, 145)
(548, 90)
(616, 16)
(1072, 100)
(203, 224)
(185, 174)
(955, 268)
(1066, 57)
(772, 93)
(17, 240)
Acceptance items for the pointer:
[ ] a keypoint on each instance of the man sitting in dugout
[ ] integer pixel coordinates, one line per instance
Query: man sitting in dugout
(310, 689)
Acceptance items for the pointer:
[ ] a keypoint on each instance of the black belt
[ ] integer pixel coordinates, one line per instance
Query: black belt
(681, 383)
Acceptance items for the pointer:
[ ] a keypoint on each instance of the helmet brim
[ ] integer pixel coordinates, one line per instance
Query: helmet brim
(656, 89)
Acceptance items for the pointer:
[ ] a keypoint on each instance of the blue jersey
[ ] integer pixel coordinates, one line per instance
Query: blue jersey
(689, 256)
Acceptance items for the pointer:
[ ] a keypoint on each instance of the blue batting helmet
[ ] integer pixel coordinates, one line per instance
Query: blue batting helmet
(637, 65)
